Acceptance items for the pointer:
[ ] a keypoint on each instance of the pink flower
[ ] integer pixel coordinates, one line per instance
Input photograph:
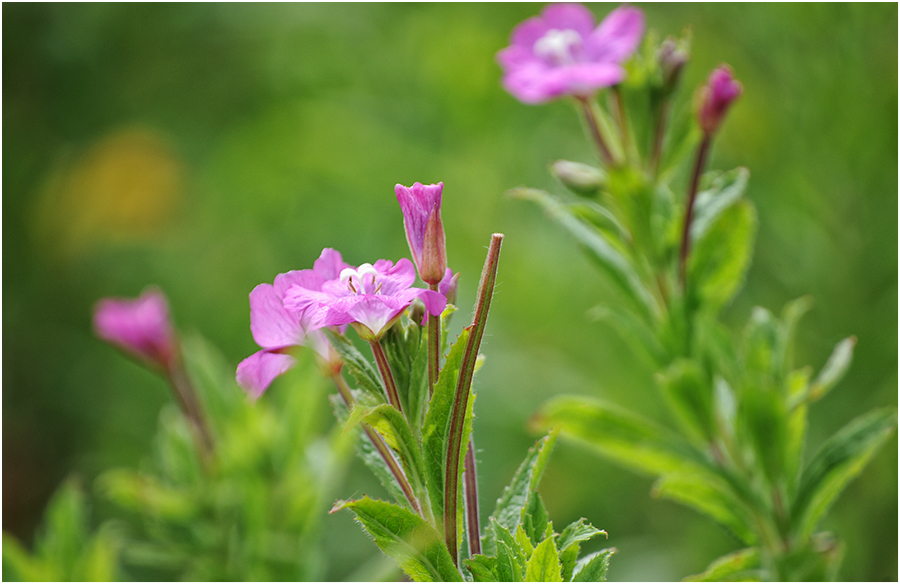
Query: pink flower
(715, 98)
(370, 297)
(561, 53)
(277, 329)
(421, 206)
(141, 327)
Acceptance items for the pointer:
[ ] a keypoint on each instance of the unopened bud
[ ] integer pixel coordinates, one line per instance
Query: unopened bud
(714, 98)
(672, 56)
(434, 250)
(579, 178)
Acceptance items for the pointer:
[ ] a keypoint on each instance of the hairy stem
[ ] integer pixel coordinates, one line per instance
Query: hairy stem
(471, 491)
(461, 398)
(386, 375)
(379, 445)
(594, 128)
(699, 163)
(434, 347)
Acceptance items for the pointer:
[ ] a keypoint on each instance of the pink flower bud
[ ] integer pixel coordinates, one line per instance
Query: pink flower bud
(715, 98)
(421, 206)
(140, 327)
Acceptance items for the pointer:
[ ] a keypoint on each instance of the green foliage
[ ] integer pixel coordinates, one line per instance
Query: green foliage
(65, 548)
(742, 565)
(407, 538)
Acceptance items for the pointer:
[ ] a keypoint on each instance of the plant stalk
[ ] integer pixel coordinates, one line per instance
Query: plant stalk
(386, 375)
(699, 164)
(594, 128)
(461, 398)
(379, 445)
(623, 119)
(471, 491)
(190, 405)
(434, 347)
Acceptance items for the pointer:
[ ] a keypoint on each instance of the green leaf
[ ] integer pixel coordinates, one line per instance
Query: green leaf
(406, 348)
(543, 566)
(535, 520)
(690, 396)
(765, 419)
(515, 498)
(732, 567)
(435, 433)
(760, 351)
(633, 330)
(372, 459)
(593, 568)
(725, 189)
(393, 427)
(621, 436)
(362, 370)
(482, 568)
(148, 495)
(20, 566)
(568, 559)
(64, 533)
(838, 462)
(834, 369)
(712, 498)
(720, 257)
(600, 249)
(576, 532)
(406, 537)
(510, 556)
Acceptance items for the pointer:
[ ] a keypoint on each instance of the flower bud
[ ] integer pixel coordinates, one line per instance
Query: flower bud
(672, 56)
(421, 206)
(449, 284)
(140, 327)
(579, 178)
(714, 99)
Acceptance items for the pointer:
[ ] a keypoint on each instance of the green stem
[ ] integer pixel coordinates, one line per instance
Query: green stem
(699, 163)
(379, 445)
(623, 119)
(434, 347)
(190, 405)
(461, 398)
(658, 135)
(388, 377)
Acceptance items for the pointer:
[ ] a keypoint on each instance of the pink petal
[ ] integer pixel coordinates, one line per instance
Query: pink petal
(617, 37)
(569, 16)
(329, 264)
(256, 372)
(140, 326)
(528, 33)
(435, 302)
(271, 324)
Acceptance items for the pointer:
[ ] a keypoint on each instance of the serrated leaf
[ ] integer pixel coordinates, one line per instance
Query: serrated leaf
(407, 538)
(482, 568)
(576, 532)
(509, 569)
(731, 567)
(720, 258)
(543, 565)
(599, 249)
(834, 369)
(838, 462)
(435, 433)
(535, 520)
(360, 367)
(710, 498)
(568, 559)
(516, 496)
(622, 436)
(593, 568)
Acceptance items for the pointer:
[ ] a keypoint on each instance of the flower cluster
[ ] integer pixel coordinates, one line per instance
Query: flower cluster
(294, 309)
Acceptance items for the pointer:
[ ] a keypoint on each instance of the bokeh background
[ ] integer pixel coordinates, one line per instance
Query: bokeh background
(206, 148)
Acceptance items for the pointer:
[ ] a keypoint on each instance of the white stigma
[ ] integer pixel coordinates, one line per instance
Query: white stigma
(556, 45)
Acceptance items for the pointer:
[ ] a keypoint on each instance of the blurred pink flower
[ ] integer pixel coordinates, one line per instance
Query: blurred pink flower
(140, 327)
(716, 97)
(561, 53)
(421, 206)
(370, 297)
(277, 329)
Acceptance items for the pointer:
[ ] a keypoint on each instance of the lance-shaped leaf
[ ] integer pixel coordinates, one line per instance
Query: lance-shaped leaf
(435, 433)
(720, 258)
(407, 538)
(568, 542)
(690, 396)
(360, 367)
(600, 249)
(624, 437)
(407, 352)
(838, 462)
(834, 369)
(593, 568)
(543, 565)
(713, 499)
(738, 566)
(521, 489)
(725, 190)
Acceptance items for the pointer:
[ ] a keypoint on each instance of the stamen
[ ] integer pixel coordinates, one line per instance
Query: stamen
(377, 288)
(350, 284)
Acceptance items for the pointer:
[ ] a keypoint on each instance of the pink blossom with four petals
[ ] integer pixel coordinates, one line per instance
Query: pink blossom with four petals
(561, 53)
(370, 297)
(277, 329)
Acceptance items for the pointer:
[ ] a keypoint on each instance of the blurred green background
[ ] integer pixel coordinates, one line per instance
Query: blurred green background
(206, 148)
